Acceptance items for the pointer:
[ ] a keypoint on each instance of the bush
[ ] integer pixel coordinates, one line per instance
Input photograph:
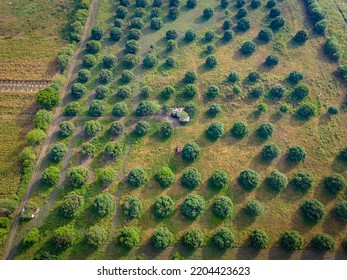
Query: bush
(146, 108)
(167, 129)
(253, 208)
(333, 49)
(96, 236)
(340, 210)
(254, 77)
(157, 3)
(193, 206)
(272, 60)
(301, 37)
(262, 107)
(167, 92)
(129, 237)
(191, 4)
(343, 155)
(276, 181)
(146, 92)
(284, 108)
(78, 90)
(116, 34)
(105, 76)
(239, 130)
(87, 149)
(191, 178)
(240, 3)
(219, 179)
(214, 110)
(295, 77)
(77, 176)
(156, 23)
(224, 3)
(4, 222)
(193, 238)
(265, 35)
(233, 77)
(170, 62)
(248, 179)
(96, 108)
(93, 47)
(51, 176)
(277, 92)
(191, 110)
(190, 77)
(174, 13)
(113, 149)
(190, 151)
(120, 109)
(72, 109)
(72, 205)
(306, 111)
(332, 110)
(215, 130)
(243, 24)
(164, 206)
(248, 48)
(312, 210)
(118, 23)
(223, 207)
(277, 23)
(300, 92)
(32, 237)
(43, 119)
(334, 183)
(126, 76)
(274, 12)
(35, 136)
(189, 91)
(141, 3)
(150, 61)
(320, 27)
(270, 152)
(137, 177)
(47, 98)
(207, 13)
(103, 204)
(65, 236)
(109, 60)
(133, 207)
(296, 154)
(271, 3)
(91, 128)
(228, 35)
(58, 152)
(227, 24)
(323, 242)
(291, 240)
(211, 61)
(190, 35)
(223, 238)
(124, 91)
(97, 33)
(258, 239)
(142, 128)
(162, 238)
(265, 130)
(165, 177)
(303, 181)
(171, 34)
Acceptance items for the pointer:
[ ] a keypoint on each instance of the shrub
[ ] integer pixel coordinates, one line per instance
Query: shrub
(223, 207)
(214, 110)
(211, 61)
(171, 34)
(137, 177)
(265, 130)
(87, 149)
(126, 76)
(291, 240)
(133, 207)
(265, 35)
(91, 128)
(271, 3)
(240, 3)
(320, 27)
(93, 47)
(239, 129)
(32, 237)
(343, 155)
(306, 111)
(116, 34)
(215, 130)
(224, 3)
(272, 60)
(35, 136)
(296, 154)
(165, 177)
(58, 152)
(207, 13)
(43, 119)
(300, 92)
(258, 239)
(78, 90)
(277, 92)
(77, 176)
(209, 36)
(96, 236)
(189, 91)
(72, 205)
(262, 107)
(190, 151)
(255, 4)
(103, 204)
(157, 3)
(340, 210)
(332, 48)
(96, 108)
(248, 48)
(164, 206)
(4, 222)
(190, 35)
(274, 12)
(146, 108)
(254, 77)
(167, 129)
(219, 179)
(312, 210)
(228, 35)
(323, 242)
(253, 208)
(295, 77)
(191, 178)
(243, 24)
(51, 176)
(334, 183)
(72, 109)
(233, 77)
(65, 236)
(97, 33)
(167, 92)
(150, 61)
(101, 91)
(47, 98)
(191, 4)
(193, 206)
(124, 91)
(156, 23)
(193, 238)
(109, 60)
(118, 22)
(227, 24)
(223, 238)
(117, 128)
(332, 110)
(248, 179)
(174, 13)
(303, 181)
(191, 110)
(146, 92)
(276, 181)
(129, 237)
(120, 109)
(170, 62)
(277, 23)
(301, 37)
(270, 152)
(190, 77)
(162, 238)
(141, 3)
(142, 128)
(113, 149)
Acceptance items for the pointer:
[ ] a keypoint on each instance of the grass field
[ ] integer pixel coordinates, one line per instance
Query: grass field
(323, 137)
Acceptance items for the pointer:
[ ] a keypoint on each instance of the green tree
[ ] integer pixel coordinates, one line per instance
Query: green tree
(87, 149)
(66, 128)
(78, 90)
(77, 176)
(340, 210)
(146, 108)
(89, 60)
(323, 242)
(58, 152)
(32, 237)
(265, 131)
(239, 129)
(303, 181)
(193, 237)
(306, 111)
(43, 119)
(97, 33)
(96, 236)
(47, 98)
(223, 207)
(93, 47)
(133, 207)
(51, 176)
(296, 154)
(165, 177)
(276, 181)
(72, 205)
(162, 238)
(137, 177)
(72, 109)
(65, 236)
(193, 206)
(334, 183)
(223, 238)
(258, 239)
(117, 128)
(120, 109)
(191, 151)
(167, 129)
(92, 128)
(215, 130)
(312, 210)
(164, 206)
(142, 128)
(107, 176)
(248, 179)
(35, 136)
(270, 152)
(253, 208)
(191, 178)
(129, 237)
(113, 149)
(103, 204)
(219, 179)
(291, 240)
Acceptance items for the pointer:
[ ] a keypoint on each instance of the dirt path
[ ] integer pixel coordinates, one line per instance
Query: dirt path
(11, 85)
(39, 167)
